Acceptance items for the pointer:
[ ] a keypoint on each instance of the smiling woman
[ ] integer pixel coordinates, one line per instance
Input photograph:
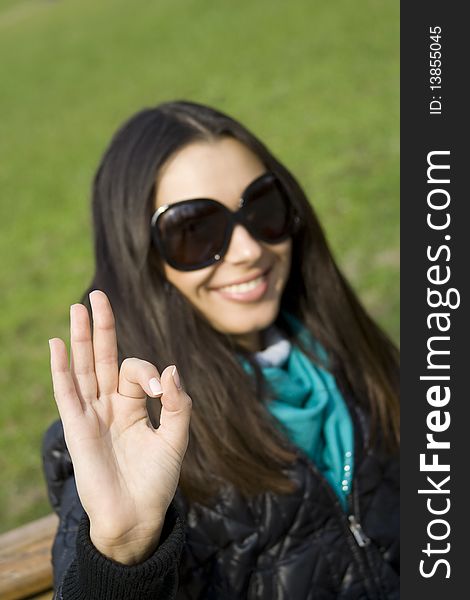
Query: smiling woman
(241, 294)
(221, 279)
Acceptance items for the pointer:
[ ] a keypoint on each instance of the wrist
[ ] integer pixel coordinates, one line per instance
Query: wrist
(128, 549)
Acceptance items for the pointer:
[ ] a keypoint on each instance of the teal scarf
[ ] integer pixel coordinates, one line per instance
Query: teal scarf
(308, 403)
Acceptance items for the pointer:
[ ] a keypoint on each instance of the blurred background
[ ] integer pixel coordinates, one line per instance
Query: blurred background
(316, 81)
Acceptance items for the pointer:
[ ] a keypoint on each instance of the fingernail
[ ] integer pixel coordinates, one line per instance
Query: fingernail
(155, 387)
(176, 378)
(91, 294)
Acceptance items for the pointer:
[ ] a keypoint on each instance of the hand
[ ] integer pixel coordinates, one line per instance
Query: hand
(126, 472)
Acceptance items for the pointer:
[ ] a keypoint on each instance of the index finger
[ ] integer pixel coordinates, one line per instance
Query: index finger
(104, 343)
(65, 393)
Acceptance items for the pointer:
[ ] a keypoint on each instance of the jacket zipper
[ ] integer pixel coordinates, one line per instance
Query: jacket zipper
(354, 517)
(351, 519)
(363, 542)
(352, 529)
(357, 531)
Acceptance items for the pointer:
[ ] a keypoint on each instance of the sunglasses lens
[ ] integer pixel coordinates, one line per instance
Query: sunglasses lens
(267, 211)
(192, 233)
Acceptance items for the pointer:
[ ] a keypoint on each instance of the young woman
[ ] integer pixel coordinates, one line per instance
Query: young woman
(219, 274)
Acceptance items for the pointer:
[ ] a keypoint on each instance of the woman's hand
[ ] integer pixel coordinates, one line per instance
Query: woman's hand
(126, 472)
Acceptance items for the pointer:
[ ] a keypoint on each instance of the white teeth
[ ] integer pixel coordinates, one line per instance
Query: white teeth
(242, 288)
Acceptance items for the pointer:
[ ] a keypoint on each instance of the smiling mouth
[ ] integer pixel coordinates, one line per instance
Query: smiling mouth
(243, 288)
(247, 291)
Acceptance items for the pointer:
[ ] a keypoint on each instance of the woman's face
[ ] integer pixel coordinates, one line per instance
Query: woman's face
(239, 295)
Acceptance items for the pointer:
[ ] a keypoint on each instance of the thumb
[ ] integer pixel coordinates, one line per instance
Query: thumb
(176, 408)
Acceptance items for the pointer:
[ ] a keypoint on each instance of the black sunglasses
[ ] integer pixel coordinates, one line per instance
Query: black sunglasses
(193, 234)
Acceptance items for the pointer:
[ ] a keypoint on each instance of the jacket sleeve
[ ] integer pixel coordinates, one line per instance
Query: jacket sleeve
(80, 570)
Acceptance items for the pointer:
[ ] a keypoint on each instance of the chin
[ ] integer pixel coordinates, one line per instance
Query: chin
(246, 321)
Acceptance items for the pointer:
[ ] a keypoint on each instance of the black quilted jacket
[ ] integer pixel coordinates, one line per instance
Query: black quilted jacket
(301, 547)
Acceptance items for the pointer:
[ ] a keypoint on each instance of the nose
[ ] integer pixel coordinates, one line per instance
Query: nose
(243, 247)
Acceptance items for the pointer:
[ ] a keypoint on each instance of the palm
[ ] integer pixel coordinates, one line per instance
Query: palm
(126, 471)
(116, 451)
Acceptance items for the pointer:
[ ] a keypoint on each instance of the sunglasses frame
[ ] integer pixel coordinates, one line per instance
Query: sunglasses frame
(234, 217)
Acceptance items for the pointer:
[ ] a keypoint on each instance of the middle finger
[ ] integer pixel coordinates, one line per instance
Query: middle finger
(104, 343)
(81, 354)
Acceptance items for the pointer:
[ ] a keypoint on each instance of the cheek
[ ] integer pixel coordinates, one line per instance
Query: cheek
(285, 259)
(189, 283)
(284, 254)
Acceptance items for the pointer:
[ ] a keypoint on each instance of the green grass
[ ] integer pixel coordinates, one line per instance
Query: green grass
(317, 81)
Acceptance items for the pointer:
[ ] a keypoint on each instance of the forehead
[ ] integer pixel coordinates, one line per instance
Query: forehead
(219, 169)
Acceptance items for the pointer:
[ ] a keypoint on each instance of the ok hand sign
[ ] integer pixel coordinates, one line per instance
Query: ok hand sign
(126, 472)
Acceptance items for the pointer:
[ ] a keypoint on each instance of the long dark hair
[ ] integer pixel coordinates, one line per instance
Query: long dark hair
(233, 438)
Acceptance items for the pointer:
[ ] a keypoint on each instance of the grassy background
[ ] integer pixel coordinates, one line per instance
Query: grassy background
(317, 81)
